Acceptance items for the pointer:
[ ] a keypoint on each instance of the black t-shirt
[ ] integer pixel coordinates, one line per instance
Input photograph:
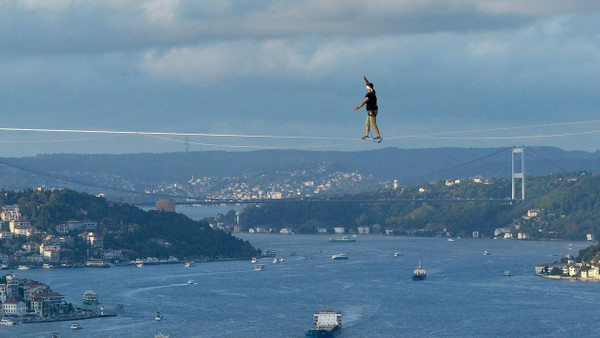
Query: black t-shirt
(372, 102)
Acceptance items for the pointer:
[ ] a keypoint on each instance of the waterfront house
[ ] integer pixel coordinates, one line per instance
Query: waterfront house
(14, 308)
(48, 304)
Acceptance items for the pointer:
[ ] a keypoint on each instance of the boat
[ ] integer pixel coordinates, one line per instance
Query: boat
(259, 267)
(3, 267)
(270, 253)
(398, 254)
(191, 281)
(450, 240)
(160, 335)
(90, 298)
(343, 239)
(486, 253)
(507, 273)
(139, 264)
(419, 273)
(158, 316)
(339, 256)
(253, 260)
(281, 259)
(23, 267)
(326, 323)
(189, 264)
(75, 326)
(6, 322)
(275, 260)
(47, 266)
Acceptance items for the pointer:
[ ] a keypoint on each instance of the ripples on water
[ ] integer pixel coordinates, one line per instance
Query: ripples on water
(465, 293)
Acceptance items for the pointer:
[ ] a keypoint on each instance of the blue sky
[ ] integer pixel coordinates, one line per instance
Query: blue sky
(441, 69)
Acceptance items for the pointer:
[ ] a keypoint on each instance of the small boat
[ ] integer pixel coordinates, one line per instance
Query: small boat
(343, 239)
(398, 254)
(23, 267)
(275, 260)
(158, 316)
(160, 335)
(139, 265)
(339, 256)
(450, 240)
(486, 253)
(259, 267)
(253, 260)
(280, 259)
(419, 273)
(191, 281)
(47, 266)
(75, 326)
(189, 264)
(507, 273)
(6, 322)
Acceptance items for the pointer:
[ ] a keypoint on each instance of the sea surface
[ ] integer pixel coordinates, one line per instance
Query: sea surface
(465, 293)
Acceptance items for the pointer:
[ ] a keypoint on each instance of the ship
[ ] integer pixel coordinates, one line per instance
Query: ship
(326, 323)
(419, 273)
(343, 239)
(339, 256)
(90, 298)
(75, 326)
(259, 267)
(189, 264)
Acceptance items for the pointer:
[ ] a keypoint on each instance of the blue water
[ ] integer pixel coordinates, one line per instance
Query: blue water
(465, 293)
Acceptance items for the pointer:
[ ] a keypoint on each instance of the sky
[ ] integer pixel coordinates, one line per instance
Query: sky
(216, 74)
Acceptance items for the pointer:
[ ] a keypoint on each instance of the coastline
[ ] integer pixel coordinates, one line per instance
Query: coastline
(556, 277)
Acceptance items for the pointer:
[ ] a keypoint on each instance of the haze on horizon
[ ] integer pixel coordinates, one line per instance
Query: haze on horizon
(294, 68)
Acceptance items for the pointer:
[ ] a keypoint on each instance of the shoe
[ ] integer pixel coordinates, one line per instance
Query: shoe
(378, 139)
(364, 137)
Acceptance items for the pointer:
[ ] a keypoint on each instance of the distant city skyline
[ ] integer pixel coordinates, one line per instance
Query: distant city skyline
(473, 73)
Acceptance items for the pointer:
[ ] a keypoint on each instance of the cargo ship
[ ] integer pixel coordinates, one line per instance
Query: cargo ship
(419, 273)
(326, 323)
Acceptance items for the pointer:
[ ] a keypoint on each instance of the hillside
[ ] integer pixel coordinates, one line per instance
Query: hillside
(558, 206)
(123, 227)
(166, 173)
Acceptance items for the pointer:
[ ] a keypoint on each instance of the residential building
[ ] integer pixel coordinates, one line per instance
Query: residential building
(14, 308)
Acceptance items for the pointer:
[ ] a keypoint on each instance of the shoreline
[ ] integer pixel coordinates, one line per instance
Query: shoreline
(556, 277)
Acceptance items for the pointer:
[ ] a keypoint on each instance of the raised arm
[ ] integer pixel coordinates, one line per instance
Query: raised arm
(366, 81)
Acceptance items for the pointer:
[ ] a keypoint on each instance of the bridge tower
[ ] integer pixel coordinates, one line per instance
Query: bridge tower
(518, 175)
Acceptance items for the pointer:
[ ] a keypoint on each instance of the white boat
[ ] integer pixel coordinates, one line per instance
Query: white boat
(47, 266)
(158, 316)
(450, 240)
(160, 335)
(486, 253)
(189, 264)
(259, 267)
(75, 326)
(339, 256)
(253, 260)
(90, 298)
(6, 322)
(139, 265)
(23, 267)
(191, 281)
(507, 273)
(275, 260)
(398, 254)
(280, 259)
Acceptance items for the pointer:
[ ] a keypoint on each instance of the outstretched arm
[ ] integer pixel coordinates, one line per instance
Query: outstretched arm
(366, 81)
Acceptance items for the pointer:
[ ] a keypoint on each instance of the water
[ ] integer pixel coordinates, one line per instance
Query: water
(465, 293)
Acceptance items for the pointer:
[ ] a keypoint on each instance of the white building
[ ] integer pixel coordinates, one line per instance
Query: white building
(14, 308)
(363, 230)
(339, 230)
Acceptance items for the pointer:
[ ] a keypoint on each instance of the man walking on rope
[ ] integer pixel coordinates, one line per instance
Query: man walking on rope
(371, 102)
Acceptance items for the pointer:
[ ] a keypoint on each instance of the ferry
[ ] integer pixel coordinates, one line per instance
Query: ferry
(259, 267)
(158, 316)
(326, 323)
(75, 326)
(343, 239)
(339, 256)
(419, 273)
(90, 298)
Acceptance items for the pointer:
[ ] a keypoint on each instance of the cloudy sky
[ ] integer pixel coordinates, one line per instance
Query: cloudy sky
(464, 73)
